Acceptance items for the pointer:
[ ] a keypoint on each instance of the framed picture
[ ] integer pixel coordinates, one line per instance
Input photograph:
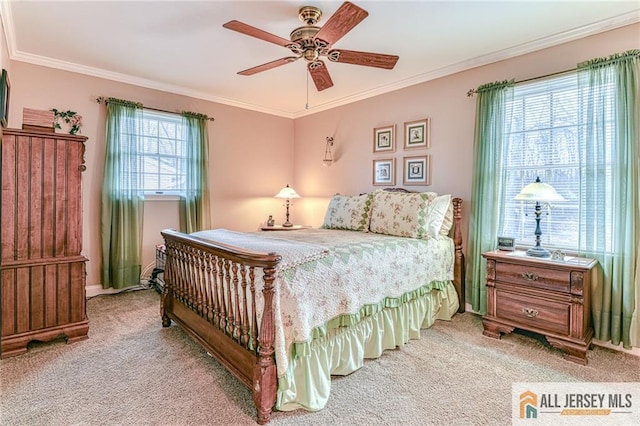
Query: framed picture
(384, 171)
(417, 170)
(5, 86)
(384, 139)
(416, 134)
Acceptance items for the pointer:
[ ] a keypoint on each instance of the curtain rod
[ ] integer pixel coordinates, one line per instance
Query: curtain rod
(471, 92)
(103, 100)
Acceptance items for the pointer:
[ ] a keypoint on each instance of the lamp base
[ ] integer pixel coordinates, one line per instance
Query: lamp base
(538, 252)
(288, 224)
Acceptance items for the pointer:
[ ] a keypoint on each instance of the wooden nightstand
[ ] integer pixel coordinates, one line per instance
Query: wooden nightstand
(544, 296)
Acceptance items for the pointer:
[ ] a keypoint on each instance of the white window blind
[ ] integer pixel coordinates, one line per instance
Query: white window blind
(162, 153)
(545, 136)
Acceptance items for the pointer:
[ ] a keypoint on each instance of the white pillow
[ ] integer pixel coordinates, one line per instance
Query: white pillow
(447, 224)
(436, 212)
(348, 212)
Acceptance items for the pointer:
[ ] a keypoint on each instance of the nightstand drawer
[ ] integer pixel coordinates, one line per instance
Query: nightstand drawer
(534, 312)
(551, 279)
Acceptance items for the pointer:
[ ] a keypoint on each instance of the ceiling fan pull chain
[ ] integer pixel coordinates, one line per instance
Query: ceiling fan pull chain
(306, 106)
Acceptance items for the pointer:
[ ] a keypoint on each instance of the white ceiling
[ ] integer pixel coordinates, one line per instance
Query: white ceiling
(181, 47)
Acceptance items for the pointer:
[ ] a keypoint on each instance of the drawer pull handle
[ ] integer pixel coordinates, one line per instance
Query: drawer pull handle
(530, 312)
(529, 276)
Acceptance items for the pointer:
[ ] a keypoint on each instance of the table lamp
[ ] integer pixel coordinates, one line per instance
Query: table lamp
(287, 193)
(540, 193)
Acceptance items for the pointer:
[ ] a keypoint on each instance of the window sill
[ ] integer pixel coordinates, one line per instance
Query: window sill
(161, 197)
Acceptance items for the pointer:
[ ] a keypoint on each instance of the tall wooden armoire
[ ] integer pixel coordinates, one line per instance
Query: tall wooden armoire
(42, 270)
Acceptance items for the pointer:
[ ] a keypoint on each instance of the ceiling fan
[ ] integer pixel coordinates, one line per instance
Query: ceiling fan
(312, 42)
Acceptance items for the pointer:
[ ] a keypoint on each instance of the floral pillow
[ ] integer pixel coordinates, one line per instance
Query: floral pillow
(400, 214)
(348, 212)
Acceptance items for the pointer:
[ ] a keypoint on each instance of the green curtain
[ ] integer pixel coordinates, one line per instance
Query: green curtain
(611, 198)
(195, 214)
(122, 199)
(492, 116)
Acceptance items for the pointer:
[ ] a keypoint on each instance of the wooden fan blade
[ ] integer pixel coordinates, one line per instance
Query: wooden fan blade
(367, 59)
(256, 32)
(346, 17)
(320, 75)
(269, 65)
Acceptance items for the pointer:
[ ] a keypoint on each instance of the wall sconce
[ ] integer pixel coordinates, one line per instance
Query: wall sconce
(328, 156)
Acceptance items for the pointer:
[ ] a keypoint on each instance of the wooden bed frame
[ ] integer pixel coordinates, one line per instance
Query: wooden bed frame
(210, 292)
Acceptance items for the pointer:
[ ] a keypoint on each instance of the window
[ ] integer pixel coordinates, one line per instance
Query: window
(162, 154)
(543, 134)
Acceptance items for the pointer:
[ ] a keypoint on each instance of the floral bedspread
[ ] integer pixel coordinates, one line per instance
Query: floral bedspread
(337, 273)
(293, 252)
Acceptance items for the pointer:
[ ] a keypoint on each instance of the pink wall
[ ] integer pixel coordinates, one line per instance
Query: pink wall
(452, 115)
(242, 141)
(242, 188)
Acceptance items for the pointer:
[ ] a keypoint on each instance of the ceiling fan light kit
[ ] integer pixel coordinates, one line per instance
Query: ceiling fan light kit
(311, 42)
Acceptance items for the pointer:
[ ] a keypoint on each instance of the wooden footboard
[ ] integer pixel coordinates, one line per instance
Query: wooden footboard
(210, 291)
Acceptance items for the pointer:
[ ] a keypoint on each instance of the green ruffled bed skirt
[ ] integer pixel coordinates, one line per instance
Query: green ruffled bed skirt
(340, 350)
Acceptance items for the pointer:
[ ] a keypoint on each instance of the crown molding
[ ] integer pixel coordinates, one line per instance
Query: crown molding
(522, 49)
(7, 22)
(141, 82)
(553, 40)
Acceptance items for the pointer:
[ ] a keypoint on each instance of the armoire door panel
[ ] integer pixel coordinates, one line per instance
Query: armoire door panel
(34, 210)
(8, 194)
(60, 183)
(22, 292)
(63, 293)
(7, 287)
(21, 176)
(37, 297)
(51, 290)
(77, 296)
(48, 201)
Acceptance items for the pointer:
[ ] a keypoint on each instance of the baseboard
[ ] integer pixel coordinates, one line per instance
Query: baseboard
(469, 308)
(635, 351)
(97, 290)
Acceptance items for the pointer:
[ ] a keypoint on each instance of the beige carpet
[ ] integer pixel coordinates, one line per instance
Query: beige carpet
(134, 372)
